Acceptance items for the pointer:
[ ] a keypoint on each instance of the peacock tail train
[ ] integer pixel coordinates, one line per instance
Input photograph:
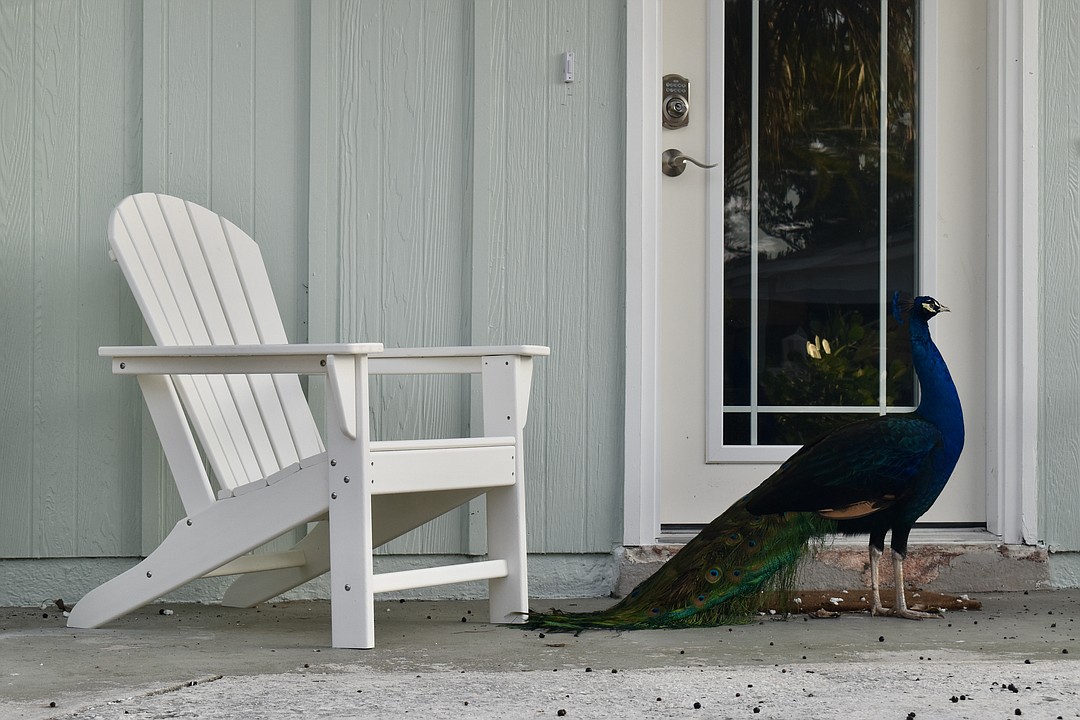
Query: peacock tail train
(716, 579)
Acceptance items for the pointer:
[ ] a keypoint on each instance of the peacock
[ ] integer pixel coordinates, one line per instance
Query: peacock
(872, 476)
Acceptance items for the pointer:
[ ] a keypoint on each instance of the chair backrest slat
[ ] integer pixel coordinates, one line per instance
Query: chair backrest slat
(259, 296)
(200, 280)
(208, 267)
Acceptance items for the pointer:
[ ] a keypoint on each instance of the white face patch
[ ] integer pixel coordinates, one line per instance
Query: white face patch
(932, 307)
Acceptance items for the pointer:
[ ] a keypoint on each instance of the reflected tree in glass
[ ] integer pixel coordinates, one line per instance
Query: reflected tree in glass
(819, 210)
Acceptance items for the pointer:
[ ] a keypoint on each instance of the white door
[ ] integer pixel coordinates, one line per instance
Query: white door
(734, 401)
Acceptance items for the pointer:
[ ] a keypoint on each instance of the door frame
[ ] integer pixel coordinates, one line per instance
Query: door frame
(1012, 267)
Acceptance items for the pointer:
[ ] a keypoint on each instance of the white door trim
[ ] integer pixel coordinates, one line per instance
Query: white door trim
(1012, 269)
(641, 504)
(1012, 246)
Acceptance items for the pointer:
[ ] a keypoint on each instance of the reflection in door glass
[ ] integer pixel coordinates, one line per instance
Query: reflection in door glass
(819, 214)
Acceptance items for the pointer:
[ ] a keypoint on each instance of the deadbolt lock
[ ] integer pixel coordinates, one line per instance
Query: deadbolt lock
(676, 108)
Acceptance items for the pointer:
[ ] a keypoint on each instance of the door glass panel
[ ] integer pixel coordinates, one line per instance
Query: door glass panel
(819, 217)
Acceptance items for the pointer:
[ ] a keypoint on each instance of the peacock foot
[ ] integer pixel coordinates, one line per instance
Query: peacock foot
(904, 612)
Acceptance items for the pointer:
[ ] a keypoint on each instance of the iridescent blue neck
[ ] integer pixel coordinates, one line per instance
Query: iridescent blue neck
(940, 403)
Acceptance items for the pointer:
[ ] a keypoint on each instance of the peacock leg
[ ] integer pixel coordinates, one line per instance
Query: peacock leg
(875, 583)
(900, 609)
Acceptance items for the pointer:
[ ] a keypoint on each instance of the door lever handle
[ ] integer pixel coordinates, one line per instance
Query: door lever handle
(673, 162)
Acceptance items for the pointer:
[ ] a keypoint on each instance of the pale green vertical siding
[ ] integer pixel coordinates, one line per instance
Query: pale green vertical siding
(461, 192)
(416, 172)
(225, 124)
(69, 148)
(555, 237)
(1059, 316)
(391, 118)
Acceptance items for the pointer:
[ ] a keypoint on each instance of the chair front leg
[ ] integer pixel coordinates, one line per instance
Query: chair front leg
(349, 485)
(506, 386)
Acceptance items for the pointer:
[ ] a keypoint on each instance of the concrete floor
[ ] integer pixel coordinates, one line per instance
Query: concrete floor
(440, 659)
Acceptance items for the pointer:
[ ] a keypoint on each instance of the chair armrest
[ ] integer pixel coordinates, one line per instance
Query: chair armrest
(303, 359)
(446, 360)
(336, 361)
(466, 351)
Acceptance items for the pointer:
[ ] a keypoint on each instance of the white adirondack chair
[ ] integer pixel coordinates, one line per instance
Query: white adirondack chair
(224, 379)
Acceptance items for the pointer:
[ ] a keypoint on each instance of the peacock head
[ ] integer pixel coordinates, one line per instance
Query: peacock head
(923, 307)
(926, 307)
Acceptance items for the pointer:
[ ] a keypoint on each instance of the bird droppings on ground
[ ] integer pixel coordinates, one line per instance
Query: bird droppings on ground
(785, 668)
(443, 693)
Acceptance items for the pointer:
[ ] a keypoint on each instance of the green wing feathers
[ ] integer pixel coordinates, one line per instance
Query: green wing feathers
(715, 579)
